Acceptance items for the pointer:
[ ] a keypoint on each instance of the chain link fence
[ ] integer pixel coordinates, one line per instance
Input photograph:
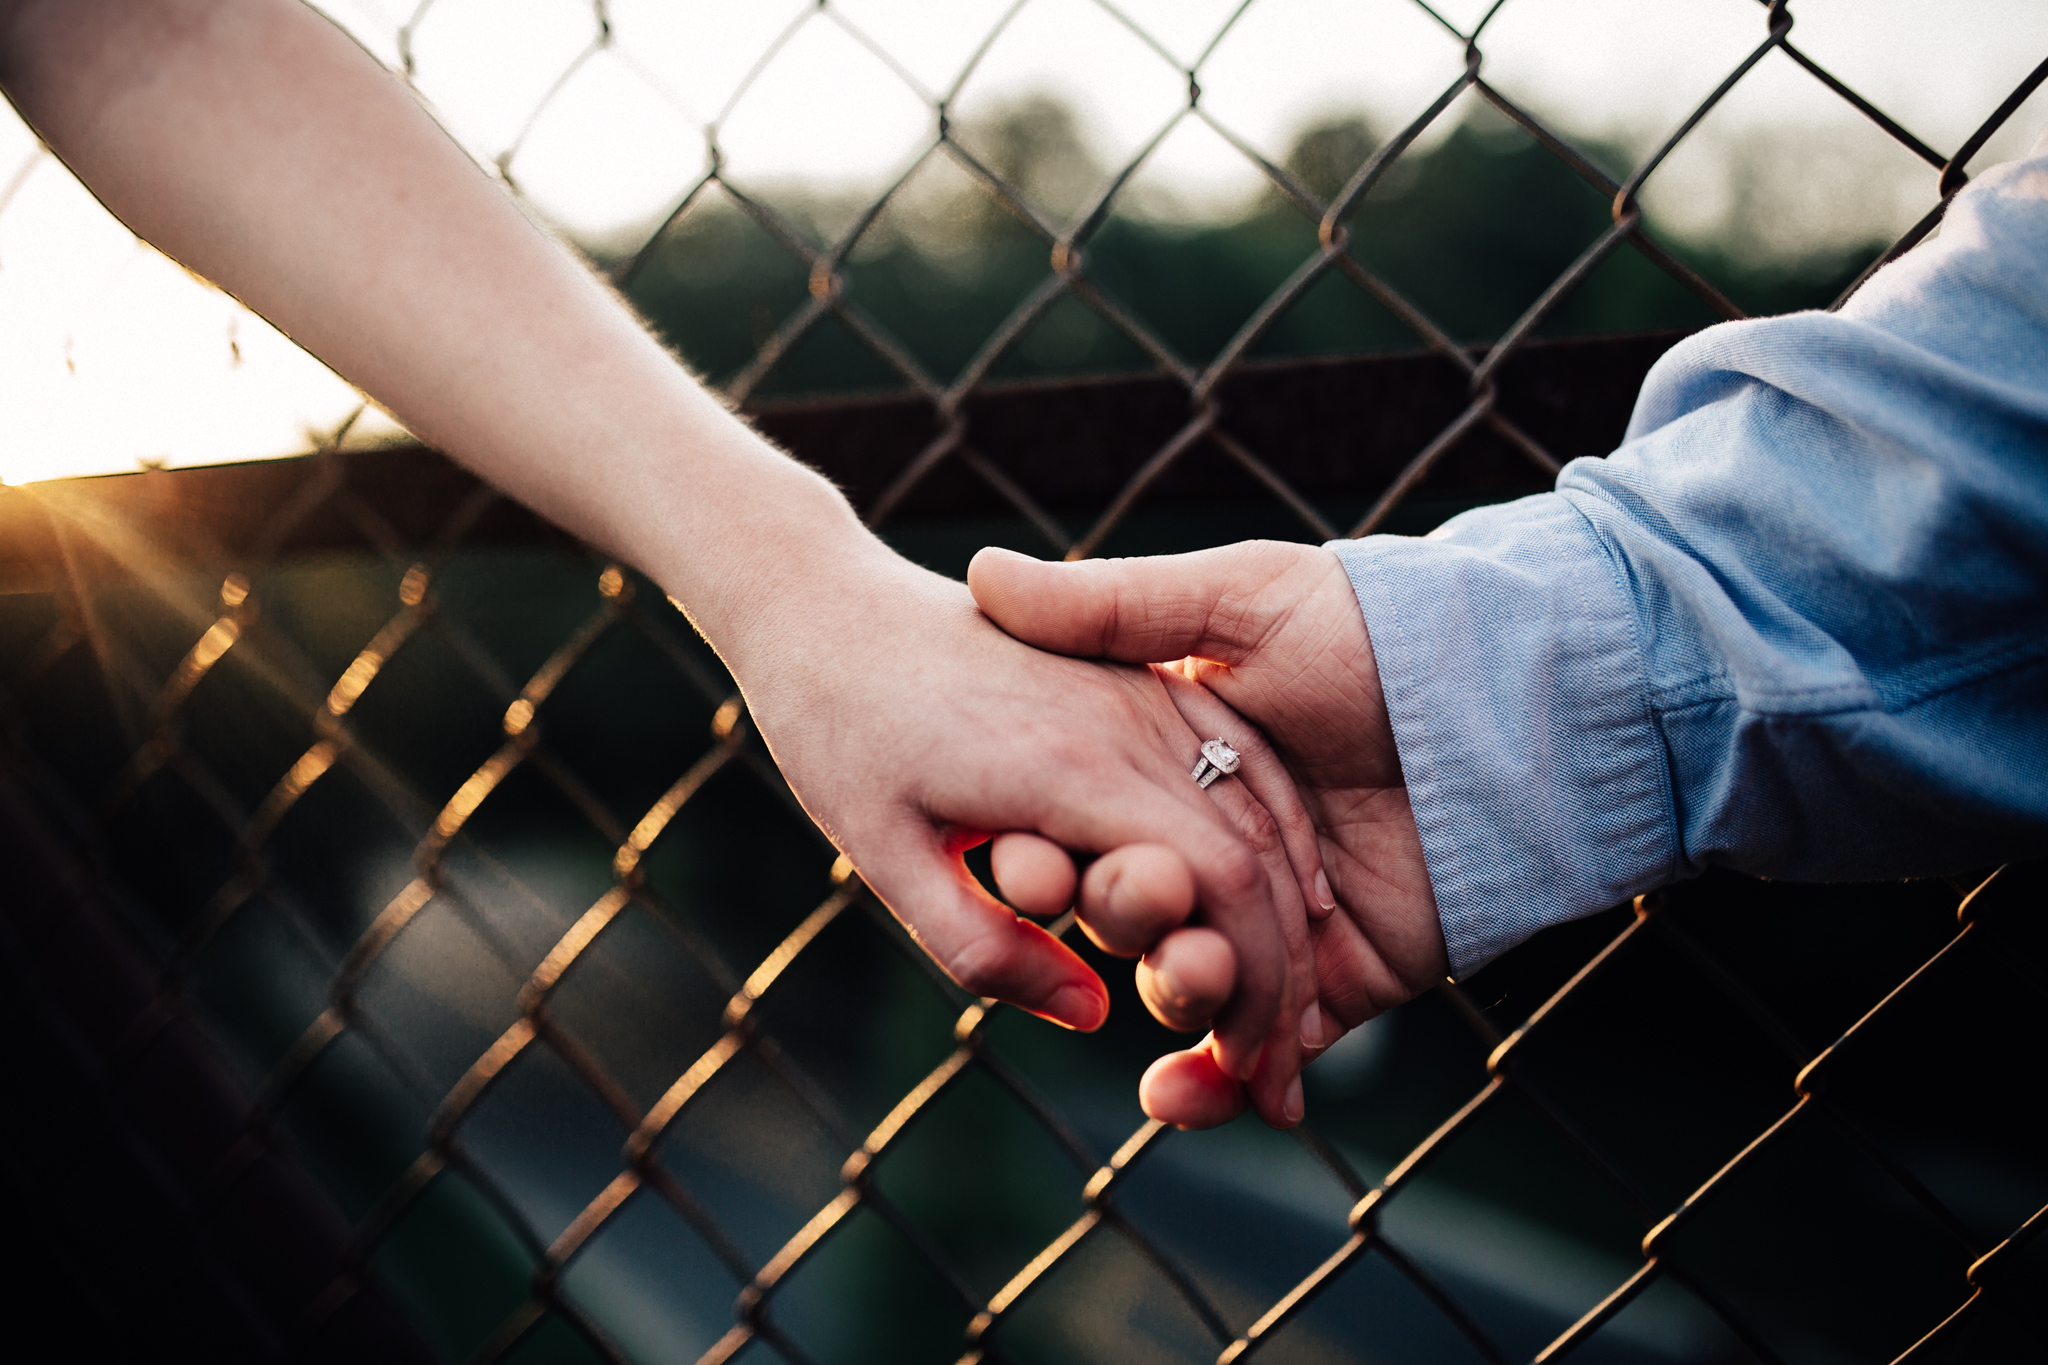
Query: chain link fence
(491, 963)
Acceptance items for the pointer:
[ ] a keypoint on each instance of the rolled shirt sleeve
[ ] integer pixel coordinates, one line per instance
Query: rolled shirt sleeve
(1796, 625)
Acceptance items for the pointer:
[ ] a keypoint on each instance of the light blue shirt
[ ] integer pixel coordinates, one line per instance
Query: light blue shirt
(1796, 625)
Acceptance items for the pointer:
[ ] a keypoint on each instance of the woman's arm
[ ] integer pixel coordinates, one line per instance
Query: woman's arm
(256, 144)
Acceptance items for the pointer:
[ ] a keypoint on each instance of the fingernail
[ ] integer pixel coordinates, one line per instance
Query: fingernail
(1324, 896)
(1292, 1105)
(1312, 1027)
(1077, 1007)
(1251, 1064)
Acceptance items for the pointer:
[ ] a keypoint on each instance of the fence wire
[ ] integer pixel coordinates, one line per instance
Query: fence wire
(185, 671)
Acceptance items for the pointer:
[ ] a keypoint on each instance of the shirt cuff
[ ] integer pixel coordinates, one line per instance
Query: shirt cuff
(1507, 648)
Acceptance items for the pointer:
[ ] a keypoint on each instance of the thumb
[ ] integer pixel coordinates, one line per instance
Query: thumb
(980, 942)
(1152, 610)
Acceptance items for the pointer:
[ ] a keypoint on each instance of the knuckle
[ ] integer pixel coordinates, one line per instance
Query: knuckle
(981, 964)
(1235, 872)
(1258, 827)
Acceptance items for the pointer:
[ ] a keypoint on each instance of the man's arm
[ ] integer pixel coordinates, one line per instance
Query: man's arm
(1797, 625)
(254, 143)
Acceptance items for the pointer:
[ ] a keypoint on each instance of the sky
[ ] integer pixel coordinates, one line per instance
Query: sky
(111, 356)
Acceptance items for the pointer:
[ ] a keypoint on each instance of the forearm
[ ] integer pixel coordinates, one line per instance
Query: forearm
(258, 146)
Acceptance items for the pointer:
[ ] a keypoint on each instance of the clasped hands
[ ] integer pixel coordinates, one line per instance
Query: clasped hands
(1278, 908)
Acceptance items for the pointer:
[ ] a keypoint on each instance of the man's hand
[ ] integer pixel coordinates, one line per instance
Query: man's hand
(1275, 631)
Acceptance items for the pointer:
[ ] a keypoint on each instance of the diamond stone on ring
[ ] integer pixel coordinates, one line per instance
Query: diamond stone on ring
(1218, 760)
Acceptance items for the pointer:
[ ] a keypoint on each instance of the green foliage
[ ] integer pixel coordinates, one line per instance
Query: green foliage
(1471, 230)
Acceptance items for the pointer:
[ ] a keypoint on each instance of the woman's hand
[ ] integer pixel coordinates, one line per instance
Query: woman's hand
(910, 727)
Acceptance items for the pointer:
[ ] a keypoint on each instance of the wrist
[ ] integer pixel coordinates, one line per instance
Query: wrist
(770, 564)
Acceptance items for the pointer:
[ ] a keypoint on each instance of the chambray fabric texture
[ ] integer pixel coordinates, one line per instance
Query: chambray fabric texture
(1796, 625)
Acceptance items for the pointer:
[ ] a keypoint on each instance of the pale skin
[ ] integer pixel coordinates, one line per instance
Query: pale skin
(1273, 630)
(254, 143)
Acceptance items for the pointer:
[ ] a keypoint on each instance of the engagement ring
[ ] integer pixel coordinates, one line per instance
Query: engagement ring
(1218, 760)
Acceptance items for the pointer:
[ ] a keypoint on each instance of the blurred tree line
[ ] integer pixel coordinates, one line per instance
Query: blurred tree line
(1471, 229)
